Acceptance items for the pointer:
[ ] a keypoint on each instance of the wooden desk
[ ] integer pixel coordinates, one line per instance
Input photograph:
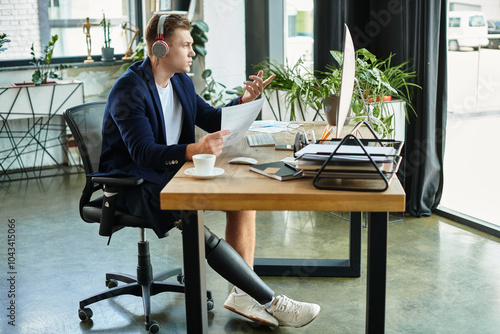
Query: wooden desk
(240, 189)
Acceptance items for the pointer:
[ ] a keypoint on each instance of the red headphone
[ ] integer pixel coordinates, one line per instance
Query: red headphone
(160, 47)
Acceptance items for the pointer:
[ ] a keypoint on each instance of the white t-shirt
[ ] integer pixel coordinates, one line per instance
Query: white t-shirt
(172, 113)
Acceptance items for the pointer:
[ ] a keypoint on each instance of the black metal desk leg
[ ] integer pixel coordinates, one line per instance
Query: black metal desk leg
(377, 268)
(193, 246)
(355, 244)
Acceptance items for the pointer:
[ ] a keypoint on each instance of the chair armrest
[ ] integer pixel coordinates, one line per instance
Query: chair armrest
(111, 187)
(118, 181)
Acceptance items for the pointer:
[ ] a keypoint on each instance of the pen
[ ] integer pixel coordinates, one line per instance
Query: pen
(327, 127)
(291, 166)
(327, 134)
(297, 170)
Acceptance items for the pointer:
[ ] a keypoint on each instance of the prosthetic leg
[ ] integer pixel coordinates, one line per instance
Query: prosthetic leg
(230, 265)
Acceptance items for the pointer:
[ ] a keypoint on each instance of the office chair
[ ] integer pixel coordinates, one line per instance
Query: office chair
(85, 122)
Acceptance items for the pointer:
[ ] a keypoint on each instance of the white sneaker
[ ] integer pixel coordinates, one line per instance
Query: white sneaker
(246, 306)
(292, 313)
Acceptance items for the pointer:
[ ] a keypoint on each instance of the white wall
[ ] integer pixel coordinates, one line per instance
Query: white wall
(19, 20)
(226, 55)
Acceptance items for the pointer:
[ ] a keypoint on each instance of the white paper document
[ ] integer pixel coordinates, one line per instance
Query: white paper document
(272, 126)
(322, 152)
(238, 119)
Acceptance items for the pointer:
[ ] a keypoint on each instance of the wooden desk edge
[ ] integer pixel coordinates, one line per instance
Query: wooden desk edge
(393, 200)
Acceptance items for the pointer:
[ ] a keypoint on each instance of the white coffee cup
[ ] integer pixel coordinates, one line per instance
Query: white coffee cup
(204, 164)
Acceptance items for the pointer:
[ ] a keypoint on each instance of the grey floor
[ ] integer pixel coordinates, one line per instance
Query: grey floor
(441, 277)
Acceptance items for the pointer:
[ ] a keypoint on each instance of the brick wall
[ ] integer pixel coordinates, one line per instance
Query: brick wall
(19, 20)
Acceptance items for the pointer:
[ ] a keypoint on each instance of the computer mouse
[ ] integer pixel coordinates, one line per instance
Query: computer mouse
(243, 161)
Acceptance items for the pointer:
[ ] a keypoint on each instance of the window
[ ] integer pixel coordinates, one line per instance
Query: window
(471, 157)
(454, 22)
(66, 18)
(476, 21)
(299, 33)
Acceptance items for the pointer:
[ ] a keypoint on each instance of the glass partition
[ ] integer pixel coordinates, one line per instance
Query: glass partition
(472, 155)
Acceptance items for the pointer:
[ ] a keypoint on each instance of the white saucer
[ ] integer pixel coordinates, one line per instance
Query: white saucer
(192, 172)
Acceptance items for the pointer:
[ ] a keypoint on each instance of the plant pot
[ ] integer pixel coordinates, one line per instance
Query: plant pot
(330, 106)
(30, 83)
(386, 98)
(108, 54)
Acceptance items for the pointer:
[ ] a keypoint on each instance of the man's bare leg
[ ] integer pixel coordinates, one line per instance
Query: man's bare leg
(240, 233)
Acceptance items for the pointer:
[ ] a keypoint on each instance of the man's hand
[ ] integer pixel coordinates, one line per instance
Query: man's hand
(256, 87)
(213, 143)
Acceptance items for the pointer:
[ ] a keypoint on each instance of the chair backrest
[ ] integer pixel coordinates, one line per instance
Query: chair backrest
(85, 123)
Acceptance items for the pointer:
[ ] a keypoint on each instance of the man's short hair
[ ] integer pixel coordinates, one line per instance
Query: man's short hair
(173, 21)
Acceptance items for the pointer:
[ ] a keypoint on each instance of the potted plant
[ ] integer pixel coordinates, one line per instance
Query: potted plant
(216, 92)
(384, 88)
(43, 70)
(327, 93)
(138, 54)
(381, 82)
(3, 40)
(199, 30)
(42, 64)
(108, 53)
(294, 88)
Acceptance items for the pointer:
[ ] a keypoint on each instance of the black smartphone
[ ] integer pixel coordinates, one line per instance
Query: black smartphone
(284, 147)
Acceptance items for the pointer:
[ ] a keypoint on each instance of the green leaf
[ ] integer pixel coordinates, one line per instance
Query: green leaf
(199, 38)
(203, 26)
(200, 50)
(37, 78)
(196, 33)
(338, 56)
(207, 73)
(203, 38)
(210, 86)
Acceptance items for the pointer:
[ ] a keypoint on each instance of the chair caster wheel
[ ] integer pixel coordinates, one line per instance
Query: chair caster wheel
(180, 278)
(111, 283)
(85, 314)
(210, 304)
(153, 327)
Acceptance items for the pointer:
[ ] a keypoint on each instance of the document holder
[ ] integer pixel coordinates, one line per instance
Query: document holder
(358, 170)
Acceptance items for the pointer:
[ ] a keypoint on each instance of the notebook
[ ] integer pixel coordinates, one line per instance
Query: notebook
(278, 170)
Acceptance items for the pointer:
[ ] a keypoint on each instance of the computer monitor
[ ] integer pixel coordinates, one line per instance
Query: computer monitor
(347, 81)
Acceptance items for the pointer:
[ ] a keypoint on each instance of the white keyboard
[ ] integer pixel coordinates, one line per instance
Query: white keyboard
(261, 139)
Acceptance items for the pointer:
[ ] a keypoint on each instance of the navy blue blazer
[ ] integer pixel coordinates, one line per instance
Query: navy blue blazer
(133, 126)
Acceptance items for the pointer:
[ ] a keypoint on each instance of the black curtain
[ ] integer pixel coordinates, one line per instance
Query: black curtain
(411, 29)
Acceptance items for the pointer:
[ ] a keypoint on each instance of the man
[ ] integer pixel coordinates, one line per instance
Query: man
(148, 131)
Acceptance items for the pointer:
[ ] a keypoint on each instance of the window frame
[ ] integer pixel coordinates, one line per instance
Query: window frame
(135, 11)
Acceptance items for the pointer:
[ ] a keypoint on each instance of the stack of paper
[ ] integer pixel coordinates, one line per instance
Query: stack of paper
(349, 161)
(346, 153)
